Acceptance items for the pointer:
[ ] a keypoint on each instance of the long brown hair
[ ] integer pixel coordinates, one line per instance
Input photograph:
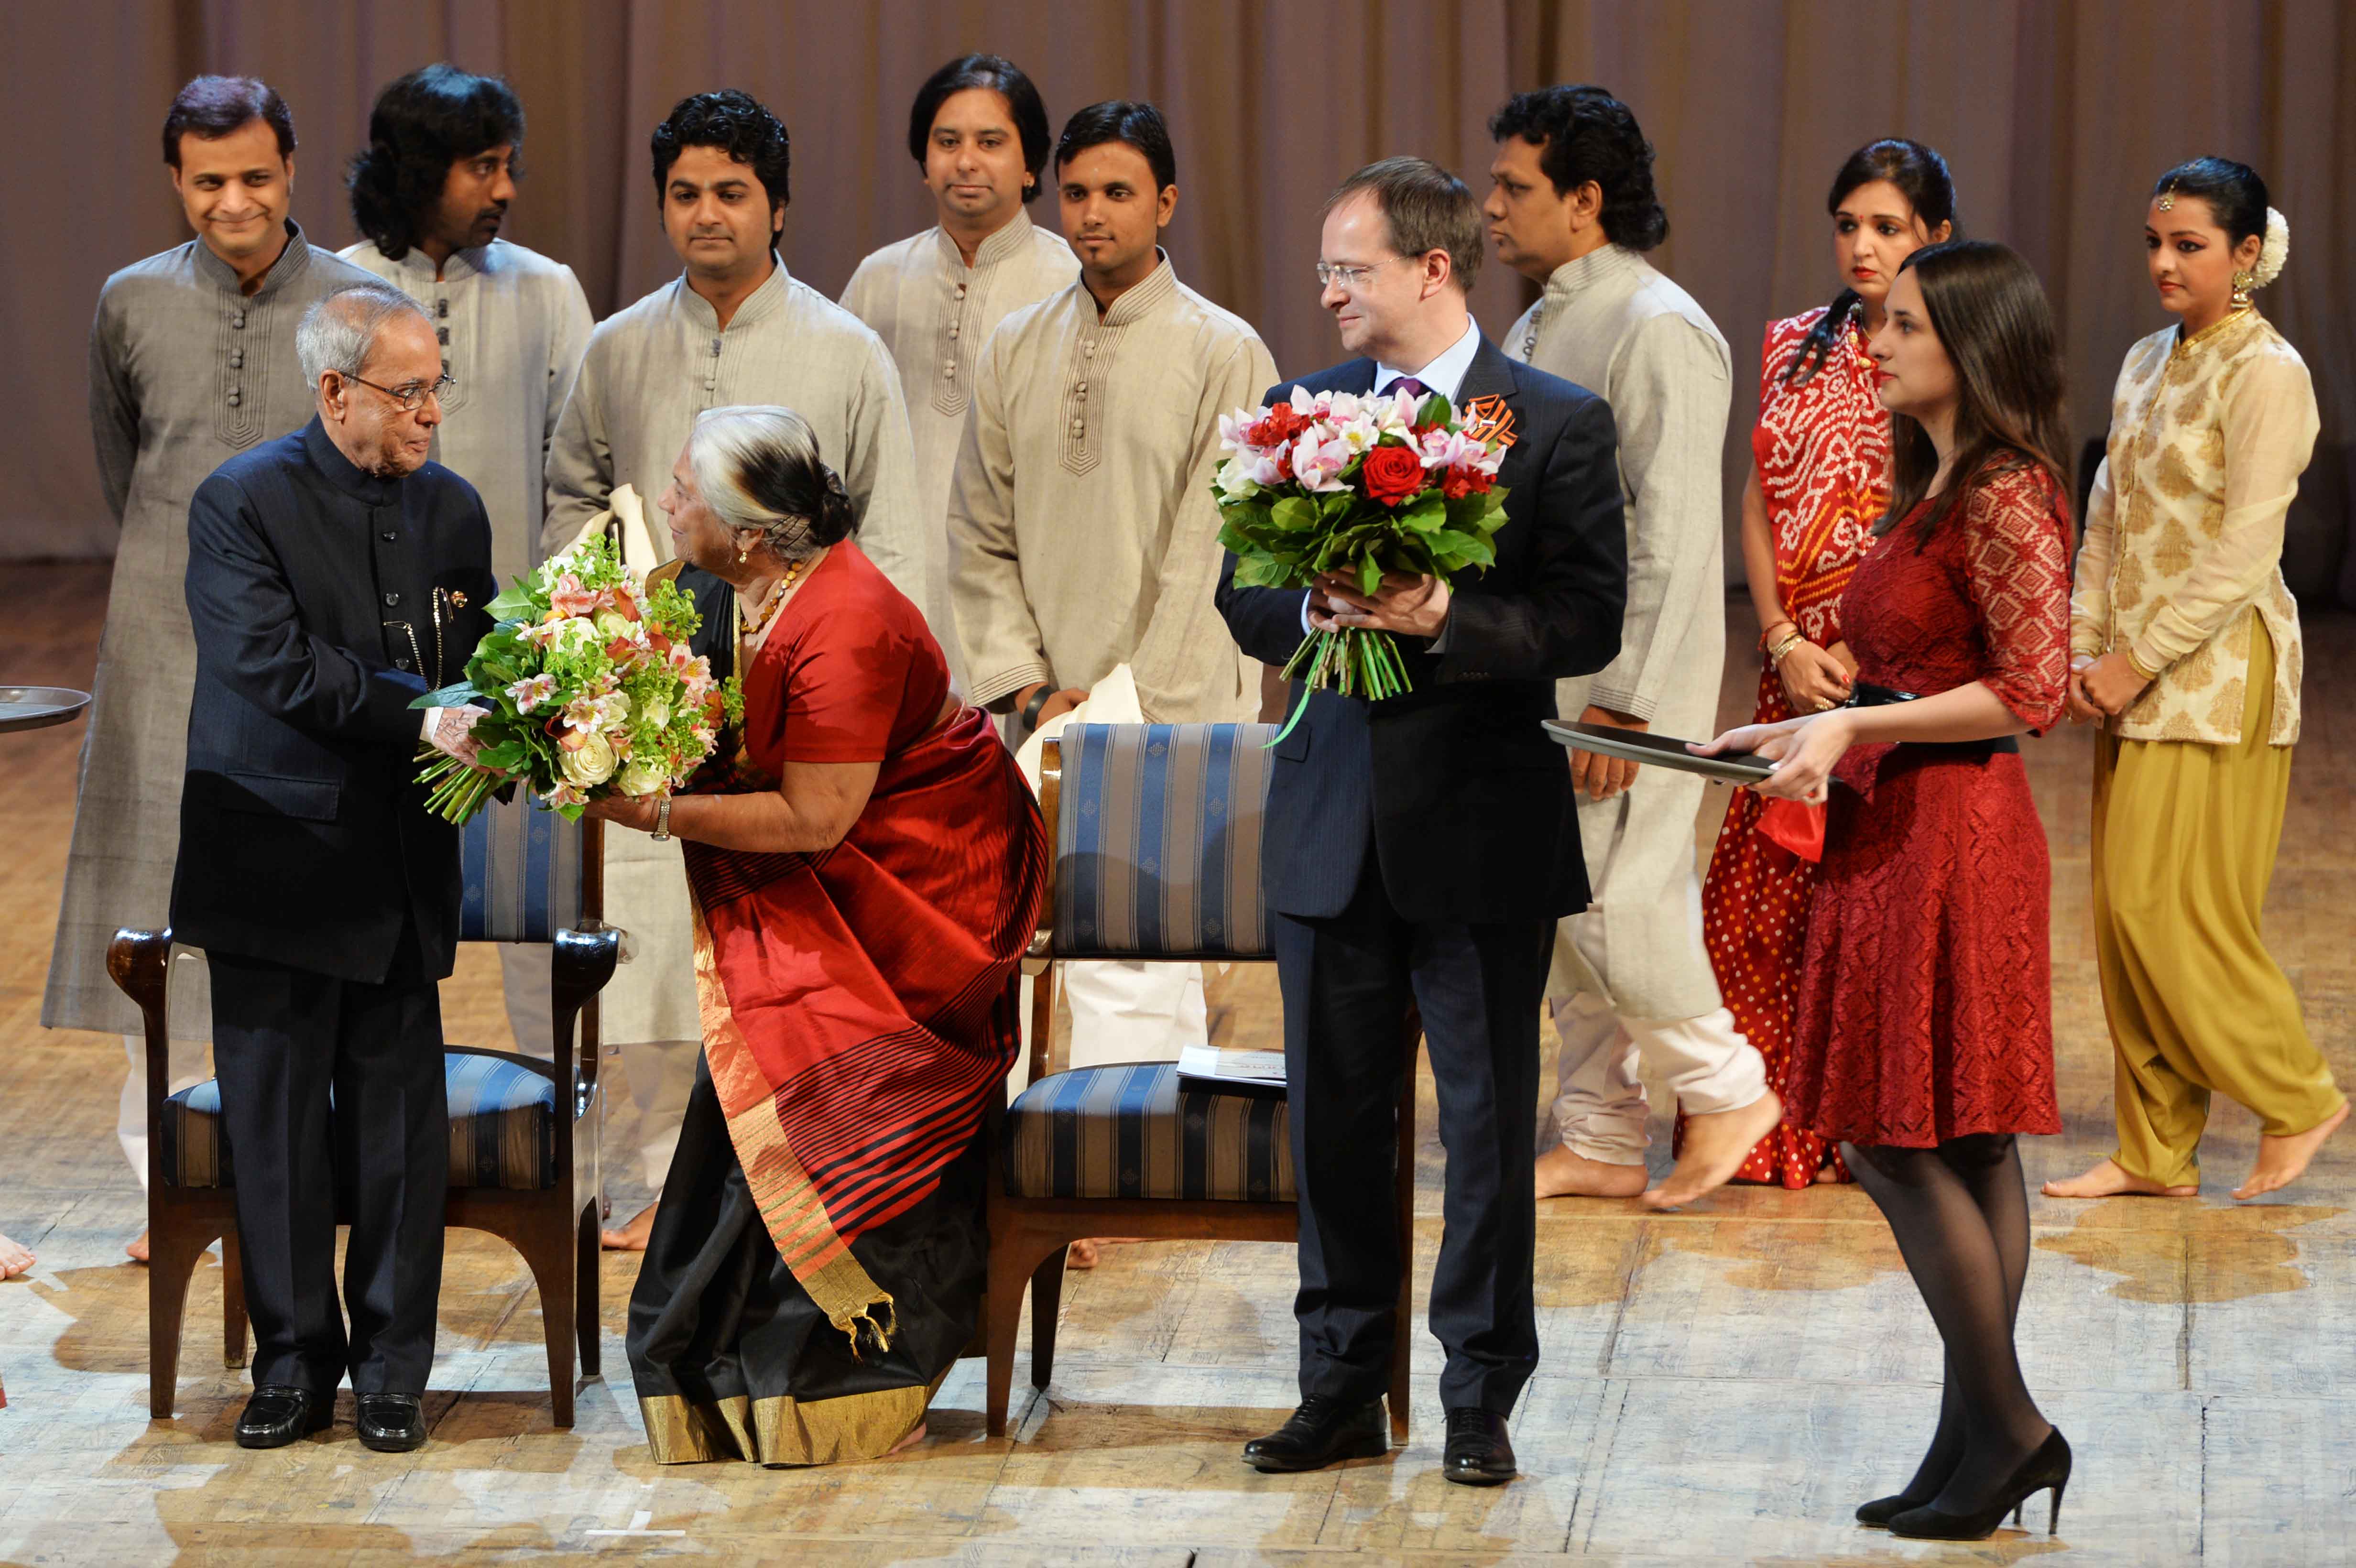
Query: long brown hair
(1992, 318)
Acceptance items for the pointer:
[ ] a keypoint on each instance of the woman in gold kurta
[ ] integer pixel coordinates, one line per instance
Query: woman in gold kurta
(2186, 646)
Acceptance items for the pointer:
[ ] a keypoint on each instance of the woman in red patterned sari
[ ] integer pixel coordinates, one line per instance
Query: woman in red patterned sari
(1925, 1034)
(1820, 477)
(866, 867)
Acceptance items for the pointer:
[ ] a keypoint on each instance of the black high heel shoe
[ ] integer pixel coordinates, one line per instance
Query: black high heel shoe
(2048, 1467)
(1882, 1511)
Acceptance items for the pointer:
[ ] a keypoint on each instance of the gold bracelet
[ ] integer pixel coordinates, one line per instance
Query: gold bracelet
(1775, 654)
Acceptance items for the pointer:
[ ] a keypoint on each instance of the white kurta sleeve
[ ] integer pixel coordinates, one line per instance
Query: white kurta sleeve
(1187, 665)
(880, 472)
(580, 461)
(1669, 401)
(1005, 650)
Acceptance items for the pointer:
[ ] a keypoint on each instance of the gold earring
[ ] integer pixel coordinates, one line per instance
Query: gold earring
(743, 556)
(2242, 283)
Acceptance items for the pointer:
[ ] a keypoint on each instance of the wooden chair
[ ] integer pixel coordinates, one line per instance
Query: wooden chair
(1157, 832)
(524, 1145)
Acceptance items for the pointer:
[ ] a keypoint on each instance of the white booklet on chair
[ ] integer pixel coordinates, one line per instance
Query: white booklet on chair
(1251, 1068)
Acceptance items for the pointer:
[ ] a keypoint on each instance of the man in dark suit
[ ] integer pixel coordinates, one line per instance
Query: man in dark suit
(1421, 848)
(335, 575)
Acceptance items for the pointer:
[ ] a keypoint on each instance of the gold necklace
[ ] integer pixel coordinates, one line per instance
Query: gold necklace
(749, 626)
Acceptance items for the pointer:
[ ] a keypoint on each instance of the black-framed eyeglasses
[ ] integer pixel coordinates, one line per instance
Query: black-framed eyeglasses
(410, 396)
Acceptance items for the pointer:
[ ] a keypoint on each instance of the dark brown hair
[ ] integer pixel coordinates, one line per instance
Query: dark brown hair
(1584, 133)
(1992, 318)
(213, 106)
(1426, 208)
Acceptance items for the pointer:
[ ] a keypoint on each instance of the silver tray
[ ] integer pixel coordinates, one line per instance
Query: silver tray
(38, 707)
(1659, 751)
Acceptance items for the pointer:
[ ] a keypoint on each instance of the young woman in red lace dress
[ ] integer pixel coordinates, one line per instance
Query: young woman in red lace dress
(1819, 478)
(1925, 1036)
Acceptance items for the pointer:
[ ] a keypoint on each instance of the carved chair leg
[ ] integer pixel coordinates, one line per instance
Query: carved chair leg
(1015, 1254)
(585, 1265)
(172, 1254)
(1046, 1300)
(233, 1324)
(550, 1260)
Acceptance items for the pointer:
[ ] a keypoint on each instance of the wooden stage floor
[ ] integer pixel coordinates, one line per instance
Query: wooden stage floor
(1719, 1385)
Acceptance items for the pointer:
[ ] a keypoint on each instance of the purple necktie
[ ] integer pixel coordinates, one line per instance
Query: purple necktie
(1411, 386)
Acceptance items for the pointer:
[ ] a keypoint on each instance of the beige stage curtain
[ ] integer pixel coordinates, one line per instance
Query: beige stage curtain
(2055, 116)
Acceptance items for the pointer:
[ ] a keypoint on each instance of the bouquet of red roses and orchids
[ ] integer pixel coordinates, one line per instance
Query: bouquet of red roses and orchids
(1359, 487)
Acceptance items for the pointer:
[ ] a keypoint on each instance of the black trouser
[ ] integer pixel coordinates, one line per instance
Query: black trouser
(1348, 981)
(284, 1043)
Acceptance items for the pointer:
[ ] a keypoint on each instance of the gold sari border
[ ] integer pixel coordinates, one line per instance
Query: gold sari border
(790, 1207)
(783, 1430)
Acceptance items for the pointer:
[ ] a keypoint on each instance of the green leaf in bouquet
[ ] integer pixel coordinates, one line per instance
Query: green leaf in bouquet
(1370, 575)
(1434, 410)
(1333, 507)
(1260, 571)
(1293, 514)
(506, 757)
(1425, 514)
(515, 603)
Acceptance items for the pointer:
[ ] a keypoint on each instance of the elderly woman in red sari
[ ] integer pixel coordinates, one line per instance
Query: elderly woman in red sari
(867, 867)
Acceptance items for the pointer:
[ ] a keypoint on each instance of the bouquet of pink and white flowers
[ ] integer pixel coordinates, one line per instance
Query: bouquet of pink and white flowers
(1359, 487)
(591, 687)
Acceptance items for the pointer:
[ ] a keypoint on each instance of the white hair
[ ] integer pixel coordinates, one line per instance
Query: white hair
(758, 467)
(339, 331)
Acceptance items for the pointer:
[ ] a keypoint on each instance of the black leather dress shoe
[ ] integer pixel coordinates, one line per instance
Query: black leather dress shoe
(1322, 1432)
(1479, 1453)
(392, 1423)
(280, 1412)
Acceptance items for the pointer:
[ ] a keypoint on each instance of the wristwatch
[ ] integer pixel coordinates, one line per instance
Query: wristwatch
(662, 820)
(1031, 708)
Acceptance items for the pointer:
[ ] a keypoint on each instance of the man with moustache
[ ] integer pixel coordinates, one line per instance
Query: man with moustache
(1422, 847)
(1573, 208)
(979, 133)
(1085, 531)
(430, 192)
(320, 887)
(734, 328)
(191, 362)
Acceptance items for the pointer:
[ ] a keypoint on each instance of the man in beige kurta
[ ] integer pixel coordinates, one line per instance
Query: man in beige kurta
(649, 369)
(1082, 524)
(936, 297)
(1632, 984)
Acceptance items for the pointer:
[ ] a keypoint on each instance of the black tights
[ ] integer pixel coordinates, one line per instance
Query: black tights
(1960, 1213)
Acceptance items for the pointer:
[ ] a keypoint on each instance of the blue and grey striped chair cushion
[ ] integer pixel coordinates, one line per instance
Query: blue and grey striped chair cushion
(1132, 1132)
(502, 1127)
(1157, 841)
(522, 871)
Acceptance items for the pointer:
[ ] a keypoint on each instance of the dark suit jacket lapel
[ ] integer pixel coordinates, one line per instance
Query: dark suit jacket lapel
(1491, 374)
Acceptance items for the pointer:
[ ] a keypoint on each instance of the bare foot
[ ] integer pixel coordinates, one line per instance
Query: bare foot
(15, 1259)
(1826, 1173)
(1088, 1253)
(632, 1237)
(1565, 1173)
(2110, 1179)
(1715, 1145)
(136, 1250)
(907, 1443)
(2281, 1160)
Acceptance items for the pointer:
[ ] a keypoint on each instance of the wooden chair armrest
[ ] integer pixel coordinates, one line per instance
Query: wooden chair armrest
(580, 964)
(140, 962)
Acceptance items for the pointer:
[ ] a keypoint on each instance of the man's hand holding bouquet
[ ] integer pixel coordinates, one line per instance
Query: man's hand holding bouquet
(1375, 502)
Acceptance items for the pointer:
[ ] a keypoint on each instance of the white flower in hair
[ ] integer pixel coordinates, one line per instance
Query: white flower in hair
(2274, 251)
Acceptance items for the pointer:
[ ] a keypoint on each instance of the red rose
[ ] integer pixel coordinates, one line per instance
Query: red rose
(1392, 474)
